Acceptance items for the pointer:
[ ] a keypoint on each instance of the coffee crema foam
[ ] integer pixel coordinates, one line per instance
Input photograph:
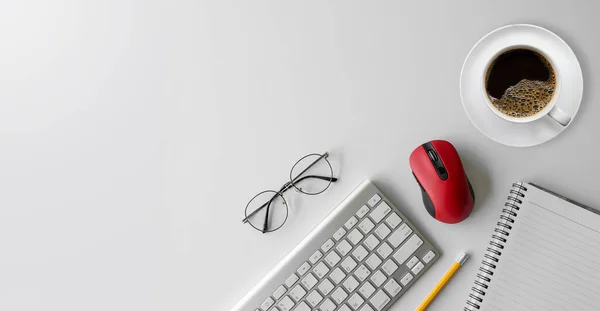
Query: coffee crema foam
(526, 98)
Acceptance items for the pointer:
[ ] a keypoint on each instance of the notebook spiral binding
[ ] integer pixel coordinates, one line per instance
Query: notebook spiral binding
(496, 245)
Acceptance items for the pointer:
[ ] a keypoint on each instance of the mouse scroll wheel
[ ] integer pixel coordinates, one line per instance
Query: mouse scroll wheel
(432, 155)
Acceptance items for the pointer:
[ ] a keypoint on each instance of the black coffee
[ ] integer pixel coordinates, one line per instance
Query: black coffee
(520, 82)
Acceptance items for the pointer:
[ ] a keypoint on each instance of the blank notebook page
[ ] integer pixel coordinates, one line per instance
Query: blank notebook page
(551, 260)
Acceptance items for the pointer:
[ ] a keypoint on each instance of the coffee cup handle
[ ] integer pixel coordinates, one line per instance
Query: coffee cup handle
(560, 116)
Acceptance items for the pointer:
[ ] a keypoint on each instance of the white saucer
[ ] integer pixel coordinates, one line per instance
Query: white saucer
(498, 129)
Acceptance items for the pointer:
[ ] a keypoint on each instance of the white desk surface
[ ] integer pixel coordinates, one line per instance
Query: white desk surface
(134, 132)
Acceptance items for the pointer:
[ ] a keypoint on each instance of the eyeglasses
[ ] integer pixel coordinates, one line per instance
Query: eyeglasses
(268, 210)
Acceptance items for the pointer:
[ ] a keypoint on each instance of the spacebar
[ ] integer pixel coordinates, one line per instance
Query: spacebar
(408, 248)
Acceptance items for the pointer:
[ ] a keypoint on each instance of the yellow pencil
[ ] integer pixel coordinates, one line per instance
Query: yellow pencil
(460, 260)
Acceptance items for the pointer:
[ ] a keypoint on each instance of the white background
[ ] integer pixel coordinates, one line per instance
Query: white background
(133, 133)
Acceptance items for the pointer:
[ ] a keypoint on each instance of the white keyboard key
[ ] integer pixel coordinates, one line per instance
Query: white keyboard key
(339, 295)
(366, 226)
(351, 284)
(355, 236)
(279, 292)
(348, 264)
(326, 287)
(428, 257)
(314, 298)
(297, 292)
(362, 211)
(371, 242)
(337, 275)
(327, 245)
(374, 200)
(406, 279)
(389, 267)
(302, 307)
(366, 308)
(291, 280)
(355, 301)
(400, 235)
(412, 262)
(267, 304)
(408, 248)
(362, 272)
(380, 300)
(309, 281)
(360, 253)
(392, 287)
(286, 304)
(380, 211)
(373, 261)
(327, 305)
(351, 222)
(384, 250)
(378, 278)
(332, 259)
(344, 308)
(339, 234)
(344, 247)
(321, 270)
(315, 257)
(367, 290)
(394, 220)
(418, 268)
(382, 231)
(303, 268)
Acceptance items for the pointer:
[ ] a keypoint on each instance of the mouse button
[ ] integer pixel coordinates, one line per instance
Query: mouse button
(442, 173)
(422, 167)
(441, 145)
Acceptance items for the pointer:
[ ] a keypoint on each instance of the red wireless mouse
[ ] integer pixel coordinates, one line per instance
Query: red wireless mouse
(447, 192)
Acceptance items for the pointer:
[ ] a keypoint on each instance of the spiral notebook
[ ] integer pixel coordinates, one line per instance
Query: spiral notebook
(544, 254)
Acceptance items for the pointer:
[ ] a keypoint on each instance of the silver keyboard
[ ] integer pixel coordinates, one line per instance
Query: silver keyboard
(362, 257)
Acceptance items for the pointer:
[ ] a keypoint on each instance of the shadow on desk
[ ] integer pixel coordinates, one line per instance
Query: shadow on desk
(479, 177)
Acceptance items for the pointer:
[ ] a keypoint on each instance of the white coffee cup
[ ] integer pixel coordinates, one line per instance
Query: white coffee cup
(552, 110)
